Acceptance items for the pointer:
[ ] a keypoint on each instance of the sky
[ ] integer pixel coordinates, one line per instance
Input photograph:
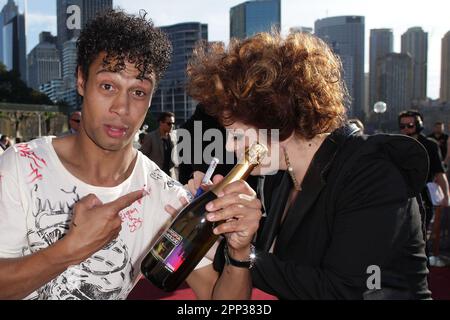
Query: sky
(399, 15)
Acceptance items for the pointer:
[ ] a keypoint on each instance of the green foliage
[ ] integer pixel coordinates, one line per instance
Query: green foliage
(151, 122)
(14, 90)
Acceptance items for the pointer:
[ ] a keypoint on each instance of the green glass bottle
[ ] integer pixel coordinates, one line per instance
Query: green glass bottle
(190, 236)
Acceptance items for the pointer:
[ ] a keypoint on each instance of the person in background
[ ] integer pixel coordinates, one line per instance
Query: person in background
(159, 144)
(411, 124)
(357, 123)
(440, 137)
(5, 143)
(188, 166)
(141, 138)
(74, 123)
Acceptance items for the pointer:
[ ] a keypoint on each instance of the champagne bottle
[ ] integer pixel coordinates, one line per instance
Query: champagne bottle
(190, 236)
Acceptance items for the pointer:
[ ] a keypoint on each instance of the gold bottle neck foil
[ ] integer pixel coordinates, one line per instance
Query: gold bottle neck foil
(253, 157)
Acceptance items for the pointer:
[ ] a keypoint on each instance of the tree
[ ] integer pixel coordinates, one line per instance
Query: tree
(151, 122)
(14, 90)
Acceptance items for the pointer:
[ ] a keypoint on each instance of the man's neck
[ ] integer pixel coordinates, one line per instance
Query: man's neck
(163, 133)
(94, 165)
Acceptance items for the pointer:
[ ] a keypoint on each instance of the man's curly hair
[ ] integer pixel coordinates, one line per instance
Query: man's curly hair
(293, 84)
(124, 37)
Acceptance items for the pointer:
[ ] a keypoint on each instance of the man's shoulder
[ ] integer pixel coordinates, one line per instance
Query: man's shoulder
(429, 143)
(30, 149)
(389, 153)
(152, 136)
(29, 161)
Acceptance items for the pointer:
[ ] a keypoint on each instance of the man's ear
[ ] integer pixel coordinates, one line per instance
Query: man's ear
(80, 82)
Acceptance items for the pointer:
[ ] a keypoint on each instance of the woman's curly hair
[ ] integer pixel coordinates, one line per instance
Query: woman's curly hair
(293, 84)
(124, 38)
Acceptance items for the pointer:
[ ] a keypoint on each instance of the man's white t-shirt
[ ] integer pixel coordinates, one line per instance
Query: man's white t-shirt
(37, 195)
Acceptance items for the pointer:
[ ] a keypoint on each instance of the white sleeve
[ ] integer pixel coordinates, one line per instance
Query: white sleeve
(12, 214)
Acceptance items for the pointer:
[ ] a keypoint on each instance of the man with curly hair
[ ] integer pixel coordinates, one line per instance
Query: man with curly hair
(79, 213)
(342, 219)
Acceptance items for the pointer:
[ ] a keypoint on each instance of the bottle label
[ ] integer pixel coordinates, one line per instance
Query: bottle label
(170, 250)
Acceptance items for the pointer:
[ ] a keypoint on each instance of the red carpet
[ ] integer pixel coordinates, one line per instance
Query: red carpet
(440, 283)
(144, 290)
(439, 286)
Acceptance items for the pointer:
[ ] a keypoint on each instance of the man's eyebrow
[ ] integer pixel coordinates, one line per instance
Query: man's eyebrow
(148, 78)
(104, 70)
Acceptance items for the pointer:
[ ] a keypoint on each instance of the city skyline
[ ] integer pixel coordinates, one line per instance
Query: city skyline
(432, 18)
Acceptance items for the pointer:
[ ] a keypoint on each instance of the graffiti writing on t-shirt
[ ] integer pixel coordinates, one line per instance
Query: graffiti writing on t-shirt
(169, 183)
(36, 163)
(156, 175)
(146, 192)
(129, 216)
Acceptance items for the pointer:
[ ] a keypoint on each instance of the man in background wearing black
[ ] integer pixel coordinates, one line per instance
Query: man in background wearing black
(441, 137)
(411, 124)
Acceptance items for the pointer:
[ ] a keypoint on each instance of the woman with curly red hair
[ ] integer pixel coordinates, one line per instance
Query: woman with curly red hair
(343, 219)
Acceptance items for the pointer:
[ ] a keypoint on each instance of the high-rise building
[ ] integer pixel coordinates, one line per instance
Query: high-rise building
(64, 33)
(445, 69)
(66, 43)
(251, 17)
(69, 61)
(53, 89)
(415, 43)
(9, 11)
(1, 38)
(367, 107)
(345, 35)
(301, 30)
(394, 84)
(13, 46)
(381, 43)
(88, 10)
(171, 94)
(44, 64)
(69, 88)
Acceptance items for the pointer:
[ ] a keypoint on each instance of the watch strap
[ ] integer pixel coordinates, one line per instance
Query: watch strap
(246, 264)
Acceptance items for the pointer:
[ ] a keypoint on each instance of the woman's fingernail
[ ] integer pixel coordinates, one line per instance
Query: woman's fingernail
(211, 217)
(210, 207)
(221, 194)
